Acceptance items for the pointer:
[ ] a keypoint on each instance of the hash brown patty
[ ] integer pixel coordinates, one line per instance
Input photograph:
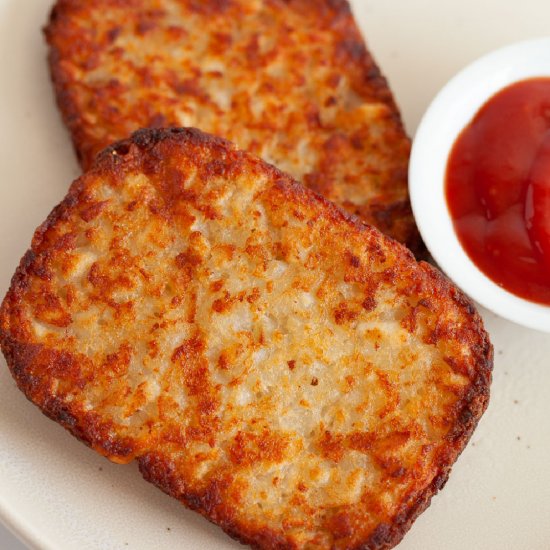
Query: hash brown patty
(289, 80)
(280, 367)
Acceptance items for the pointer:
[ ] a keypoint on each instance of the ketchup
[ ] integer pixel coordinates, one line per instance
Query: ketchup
(498, 189)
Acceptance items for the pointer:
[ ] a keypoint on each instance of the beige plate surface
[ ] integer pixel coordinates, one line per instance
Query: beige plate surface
(57, 494)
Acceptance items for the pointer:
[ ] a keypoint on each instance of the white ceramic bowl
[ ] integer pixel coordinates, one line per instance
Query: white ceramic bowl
(451, 110)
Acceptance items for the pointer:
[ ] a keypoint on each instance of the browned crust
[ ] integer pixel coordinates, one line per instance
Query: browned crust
(390, 211)
(157, 469)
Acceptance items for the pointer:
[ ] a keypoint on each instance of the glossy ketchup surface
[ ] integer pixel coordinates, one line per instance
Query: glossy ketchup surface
(498, 189)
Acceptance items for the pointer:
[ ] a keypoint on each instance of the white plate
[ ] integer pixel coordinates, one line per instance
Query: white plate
(57, 494)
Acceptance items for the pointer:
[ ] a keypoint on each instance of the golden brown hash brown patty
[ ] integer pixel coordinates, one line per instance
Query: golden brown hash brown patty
(287, 371)
(289, 80)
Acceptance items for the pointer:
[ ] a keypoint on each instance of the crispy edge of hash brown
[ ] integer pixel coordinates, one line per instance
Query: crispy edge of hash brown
(393, 218)
(158, 468)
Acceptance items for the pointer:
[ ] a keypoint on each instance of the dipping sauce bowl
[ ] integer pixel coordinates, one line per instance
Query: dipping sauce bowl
(445, 122)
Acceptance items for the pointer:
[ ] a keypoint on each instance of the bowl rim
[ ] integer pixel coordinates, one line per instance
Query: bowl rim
(449, 112)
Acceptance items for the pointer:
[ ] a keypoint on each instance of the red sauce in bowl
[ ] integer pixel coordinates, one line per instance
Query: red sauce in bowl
(498, 189)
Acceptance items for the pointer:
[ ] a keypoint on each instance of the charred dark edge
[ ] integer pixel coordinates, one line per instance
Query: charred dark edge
(158, 471)
(19, 357)
(386, 536)
(146, 139)
(64, 96)
(355, 42)
(356, 45)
